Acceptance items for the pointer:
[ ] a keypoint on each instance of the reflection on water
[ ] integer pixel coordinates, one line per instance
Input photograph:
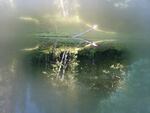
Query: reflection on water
(34, 94)
(27, 91)
(100, 87)
(133, 96)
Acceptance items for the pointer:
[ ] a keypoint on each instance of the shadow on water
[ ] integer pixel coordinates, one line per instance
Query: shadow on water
(101, 84)
(95, 79)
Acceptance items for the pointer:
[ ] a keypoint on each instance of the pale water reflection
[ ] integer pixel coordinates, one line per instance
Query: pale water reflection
(134, 95)
(27, 91)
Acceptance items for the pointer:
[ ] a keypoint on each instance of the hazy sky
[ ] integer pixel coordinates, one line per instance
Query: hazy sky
(129, 16)
(117, 15)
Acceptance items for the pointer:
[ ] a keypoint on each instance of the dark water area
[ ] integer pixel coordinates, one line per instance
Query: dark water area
(32, 91)
(25, 89)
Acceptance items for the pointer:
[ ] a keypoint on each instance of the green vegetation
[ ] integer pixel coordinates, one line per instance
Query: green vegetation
(98, 68)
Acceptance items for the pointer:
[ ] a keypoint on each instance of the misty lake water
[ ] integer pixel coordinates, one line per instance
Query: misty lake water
(24, 89)
(102, 85)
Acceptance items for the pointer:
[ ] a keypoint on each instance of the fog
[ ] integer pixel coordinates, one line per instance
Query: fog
(127, 16)
(129, 20)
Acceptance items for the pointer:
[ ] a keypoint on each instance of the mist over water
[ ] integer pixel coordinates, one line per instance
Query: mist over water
(133, 95)
(24, 90)
(126, 17)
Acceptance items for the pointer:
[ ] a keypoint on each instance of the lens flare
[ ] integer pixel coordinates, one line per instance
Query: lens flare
(67, 8)
(64, 12)
(95, 27)
(12, 3)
